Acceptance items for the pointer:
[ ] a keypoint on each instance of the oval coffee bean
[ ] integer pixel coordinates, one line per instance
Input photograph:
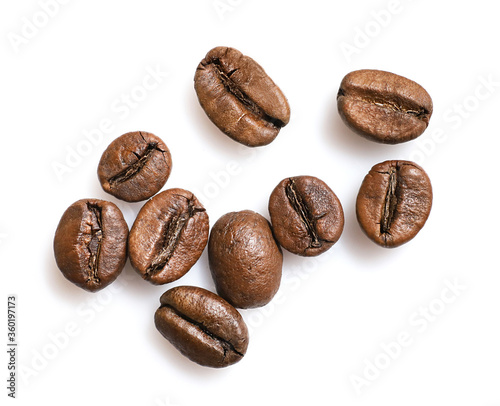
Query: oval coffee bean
(202, 326)
(394, 202)
(244, 259)
(383, 106)
(168, 236)
(90, 244)
(306, 215)
(135, 166)
(239, 97)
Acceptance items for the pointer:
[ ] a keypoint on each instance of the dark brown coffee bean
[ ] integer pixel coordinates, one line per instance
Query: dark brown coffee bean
(135, 166)
(244, 259)
(306, 215)
(394, 202)
(239, 97)
(168, 236)
(90, 244)
(202, 326)
(383, 106)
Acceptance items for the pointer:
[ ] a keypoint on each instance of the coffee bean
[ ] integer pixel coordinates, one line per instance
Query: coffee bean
(383, 106)
(244, 259)
(168, 236)
(202, 326)
(394, 202)
(90, 243)
(306, 215)
(240, 98)
(135, 166)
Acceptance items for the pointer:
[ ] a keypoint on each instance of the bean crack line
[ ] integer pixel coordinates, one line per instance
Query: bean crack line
(235, 90)
(172, 235)
(301, 208)
(406, 107)
(390, 201)
(226, 345)
(95, 243)
(132, 170)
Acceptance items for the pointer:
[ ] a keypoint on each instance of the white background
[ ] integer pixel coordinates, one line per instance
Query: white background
(334, 314)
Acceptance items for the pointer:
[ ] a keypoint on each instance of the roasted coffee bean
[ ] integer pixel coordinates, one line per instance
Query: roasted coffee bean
(202, 326)
(135, 166)
(244, 259)
(306, 215)
(168, 236)
(384, 107)
(394, 202)
(239, 97)
(90, 244)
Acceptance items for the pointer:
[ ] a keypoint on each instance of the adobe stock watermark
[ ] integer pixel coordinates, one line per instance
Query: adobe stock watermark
(164, 402)
(31, 26)
(58, 341)
(223, 7)
(454, 117)
(291, 281)
(365, 34)
(220, 179)
(121, 108)
(417, 324)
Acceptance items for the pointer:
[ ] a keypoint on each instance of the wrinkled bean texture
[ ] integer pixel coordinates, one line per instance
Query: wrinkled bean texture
(394, 202)
(168, 236)
(202, 326)
(245, 259)
(90, 243)
(135, 166)
(240, 98)
(306, 216)
(384, 107)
